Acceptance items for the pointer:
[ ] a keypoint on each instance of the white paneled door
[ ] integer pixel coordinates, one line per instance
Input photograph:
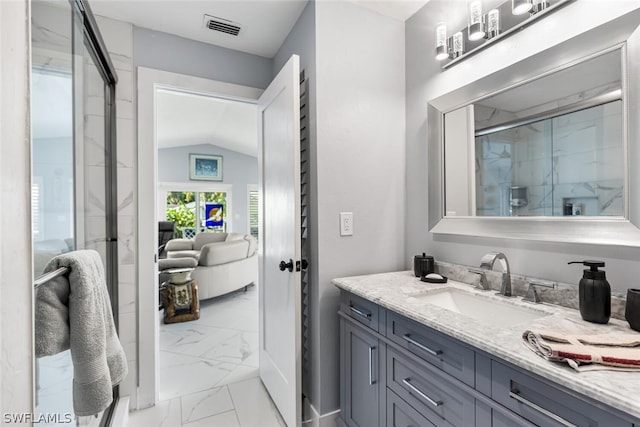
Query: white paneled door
(279, 281)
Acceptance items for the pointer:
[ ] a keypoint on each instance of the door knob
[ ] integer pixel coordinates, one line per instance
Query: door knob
(286, 265)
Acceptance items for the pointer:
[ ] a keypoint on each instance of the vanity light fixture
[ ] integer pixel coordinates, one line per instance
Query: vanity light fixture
(539, 5)
(520, 7)
(493, 23)
(457, 45)
(442, 50)
(476, 24)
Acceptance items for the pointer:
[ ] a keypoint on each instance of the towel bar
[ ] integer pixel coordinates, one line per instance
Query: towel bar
(48, 276)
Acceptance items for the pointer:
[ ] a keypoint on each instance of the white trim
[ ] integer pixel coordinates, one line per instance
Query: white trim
(149, 80)
(16, 260)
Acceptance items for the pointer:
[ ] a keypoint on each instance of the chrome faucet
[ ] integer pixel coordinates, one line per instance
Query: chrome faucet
(487, 263)
(482, 283)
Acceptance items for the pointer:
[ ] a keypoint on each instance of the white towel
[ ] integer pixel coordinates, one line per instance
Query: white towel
(74, 311)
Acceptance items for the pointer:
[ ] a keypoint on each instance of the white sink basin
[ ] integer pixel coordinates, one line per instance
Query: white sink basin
(482, 309)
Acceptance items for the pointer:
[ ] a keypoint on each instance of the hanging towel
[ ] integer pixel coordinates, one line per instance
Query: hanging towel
(74, 311)
(613, 351)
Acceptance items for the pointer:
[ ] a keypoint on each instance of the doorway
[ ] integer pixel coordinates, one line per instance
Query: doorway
(279, 173)
(150, 82)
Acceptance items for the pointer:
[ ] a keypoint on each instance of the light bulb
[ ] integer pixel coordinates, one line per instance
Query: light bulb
(493, 22)
(476, 27)
(520, 7)
(442, 52)
(475, 12)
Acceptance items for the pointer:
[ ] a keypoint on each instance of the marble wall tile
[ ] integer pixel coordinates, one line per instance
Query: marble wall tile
(94, 195)
(126, 146)
(118, 37)
(128, 335)
(125, 95)
(94, 142)
(126, 239)
(126, 176)
(127, 297)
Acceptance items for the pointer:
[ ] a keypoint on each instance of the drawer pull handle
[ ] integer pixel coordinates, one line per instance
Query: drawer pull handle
(371, 380)
(360, 312)
(422, 346)
(407, 382)
(540, 409)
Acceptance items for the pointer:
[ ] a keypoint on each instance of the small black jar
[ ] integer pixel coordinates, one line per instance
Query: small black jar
(423, 265)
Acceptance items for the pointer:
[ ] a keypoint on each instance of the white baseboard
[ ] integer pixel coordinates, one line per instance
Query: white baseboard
(311, 418)
(121, 413)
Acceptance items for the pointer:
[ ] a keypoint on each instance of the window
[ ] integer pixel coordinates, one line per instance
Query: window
(209, 210)
(253, 211)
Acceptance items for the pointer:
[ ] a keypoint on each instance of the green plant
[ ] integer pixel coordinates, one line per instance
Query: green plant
(182, 217)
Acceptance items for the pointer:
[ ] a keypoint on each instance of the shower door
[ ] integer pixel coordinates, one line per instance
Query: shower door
(73, 169)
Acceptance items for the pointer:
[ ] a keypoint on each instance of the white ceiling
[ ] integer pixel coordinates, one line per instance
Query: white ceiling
(264, 23)
(189, 119)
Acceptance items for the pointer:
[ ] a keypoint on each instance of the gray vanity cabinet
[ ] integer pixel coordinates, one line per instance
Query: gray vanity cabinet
(397, 372)
(543, 404)
(360, 368)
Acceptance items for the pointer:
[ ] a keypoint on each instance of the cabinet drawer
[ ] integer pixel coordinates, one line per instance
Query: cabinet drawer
(543, 404)
(400, 414)
(360, 309)
(432, 346)
(438, 400)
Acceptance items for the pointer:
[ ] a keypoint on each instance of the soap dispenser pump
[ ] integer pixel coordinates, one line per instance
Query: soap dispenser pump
(594, 292)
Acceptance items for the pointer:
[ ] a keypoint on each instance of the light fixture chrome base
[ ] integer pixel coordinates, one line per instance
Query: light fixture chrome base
(493, 33)
(477, 28)
(442, 53)
(539, 7)
(520, 7)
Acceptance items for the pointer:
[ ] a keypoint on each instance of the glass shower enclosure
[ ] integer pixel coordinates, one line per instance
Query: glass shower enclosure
(73, 168)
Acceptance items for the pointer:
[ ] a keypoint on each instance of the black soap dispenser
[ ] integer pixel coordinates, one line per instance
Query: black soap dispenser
(594, 292)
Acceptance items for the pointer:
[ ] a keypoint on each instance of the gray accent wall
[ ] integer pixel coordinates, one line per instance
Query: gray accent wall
(167, 52)
(238, 170)
(354, 59)
(425, 80)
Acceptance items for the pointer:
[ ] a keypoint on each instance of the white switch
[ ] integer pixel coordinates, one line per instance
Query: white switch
(346, 223)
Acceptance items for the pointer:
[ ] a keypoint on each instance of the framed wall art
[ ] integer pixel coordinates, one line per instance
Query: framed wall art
(204, 167)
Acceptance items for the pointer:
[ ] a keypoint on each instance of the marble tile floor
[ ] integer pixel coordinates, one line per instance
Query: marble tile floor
(209, 369)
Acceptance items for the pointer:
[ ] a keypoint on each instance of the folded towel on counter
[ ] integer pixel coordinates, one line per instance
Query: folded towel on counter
(74, 311)
(614, 351)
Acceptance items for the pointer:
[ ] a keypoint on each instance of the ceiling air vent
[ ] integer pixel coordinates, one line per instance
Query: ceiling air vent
(221, 25)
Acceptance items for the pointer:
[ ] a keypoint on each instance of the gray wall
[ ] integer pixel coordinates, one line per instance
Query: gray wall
(162, 51)
(360, 97)
(239, 170)
(354, 60)
(425, 81)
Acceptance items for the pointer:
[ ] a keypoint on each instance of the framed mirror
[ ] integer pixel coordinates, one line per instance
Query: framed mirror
(545, 149)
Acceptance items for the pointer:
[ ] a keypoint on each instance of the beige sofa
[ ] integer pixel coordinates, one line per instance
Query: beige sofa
(226, 261)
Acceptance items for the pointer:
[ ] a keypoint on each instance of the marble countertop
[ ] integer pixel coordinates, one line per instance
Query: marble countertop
(400, 292)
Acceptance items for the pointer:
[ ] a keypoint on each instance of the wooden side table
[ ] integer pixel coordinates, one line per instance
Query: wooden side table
(179, 296)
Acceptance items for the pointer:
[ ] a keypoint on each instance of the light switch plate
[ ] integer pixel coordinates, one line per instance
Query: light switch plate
(346, 223)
